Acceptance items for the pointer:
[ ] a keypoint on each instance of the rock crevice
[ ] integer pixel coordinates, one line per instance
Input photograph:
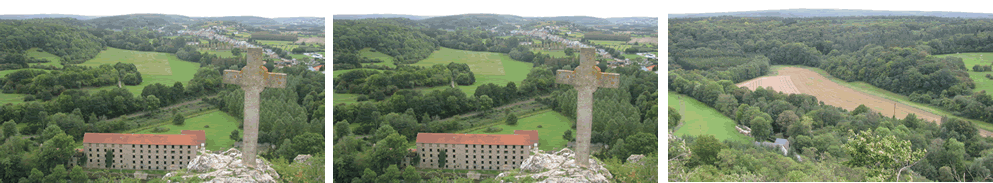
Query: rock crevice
(560, 166)
(224, 167)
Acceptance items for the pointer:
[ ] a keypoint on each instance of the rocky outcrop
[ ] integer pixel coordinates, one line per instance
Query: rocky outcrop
(635, 158)
(302, 159)
(224, 167)
(559, 166)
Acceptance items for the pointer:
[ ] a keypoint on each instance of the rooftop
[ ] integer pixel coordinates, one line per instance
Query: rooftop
(200, 135)
(147, 139)
(483, 139)
(532, 135)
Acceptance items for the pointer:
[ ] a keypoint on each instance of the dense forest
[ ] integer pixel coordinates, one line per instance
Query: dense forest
(57, 36)
(380, 84)
(828, 142)
(44, 85)
(405, 44)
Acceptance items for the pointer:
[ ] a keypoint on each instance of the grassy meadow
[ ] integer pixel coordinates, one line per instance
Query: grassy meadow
(699, 119)
(496, 68)
(218, 135)
(971, 59)
(553, 126)
(387, 59)
(55, 60)
(219, 53)
(617, 45)
(155, 67)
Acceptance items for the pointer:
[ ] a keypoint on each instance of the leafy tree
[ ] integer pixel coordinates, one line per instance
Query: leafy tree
(884, 156)
(619, 150)
(761, 128)
(56, 151)
(109, 158)
(36, 175)
(641, 143)
(286, 149)
(383, 132)
(511, 119)
(236, 51)
(235, 136)
(391, 174)
(58, 174)
(50, 132)
(178, 119)
(568, 136)
(308, 143)
(369, 176)
(341, 129)
(860, 109)
(705, 149)
(786, 119)
(485, 103)
(389, 151)
(569, 51)
(77, 174)
(10, 129)
(442, 158)
(411, 175)
(674, 118)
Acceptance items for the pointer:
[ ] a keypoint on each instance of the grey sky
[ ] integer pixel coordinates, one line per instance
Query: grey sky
(193, 8)
(681, 7)
(526, 8)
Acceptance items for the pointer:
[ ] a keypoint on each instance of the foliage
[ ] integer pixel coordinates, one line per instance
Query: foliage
(178, 119)
(705, 150)
(883, 155)
(403, 43)
(511, 119)
(308, 143)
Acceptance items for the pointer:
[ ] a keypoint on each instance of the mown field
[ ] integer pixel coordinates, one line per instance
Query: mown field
(496, 68)
(155, 67)
(387, 59)
(554, 53)
(55, 60)
(11, 98)
(699, 119)
(971, 59)
(218, 134)
(553, 126)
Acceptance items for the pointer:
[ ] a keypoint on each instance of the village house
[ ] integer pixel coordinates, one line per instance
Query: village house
(142, 151)
(476, 151)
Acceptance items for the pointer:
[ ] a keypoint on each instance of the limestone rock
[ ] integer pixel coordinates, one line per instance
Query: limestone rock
(635, 158)
(302, 159)
(560, 166)
(224, 167)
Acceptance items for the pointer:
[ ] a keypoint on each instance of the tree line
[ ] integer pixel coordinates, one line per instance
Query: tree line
(60, 37)
(381, 84)
(45, 85)
(405, 44)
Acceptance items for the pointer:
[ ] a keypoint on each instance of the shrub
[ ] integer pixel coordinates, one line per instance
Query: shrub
(206, 126)
(179, 119)
(493, 129)
(539, 126)
(512, 119)
(160, 129)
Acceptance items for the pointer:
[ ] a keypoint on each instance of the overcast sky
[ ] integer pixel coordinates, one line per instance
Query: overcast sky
(681, 7)
(193, 8)
(526, 8)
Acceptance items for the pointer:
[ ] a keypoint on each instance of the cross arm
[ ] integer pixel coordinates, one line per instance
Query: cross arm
(565, 76)
(275, 80)
(609, 80)
(231, 76)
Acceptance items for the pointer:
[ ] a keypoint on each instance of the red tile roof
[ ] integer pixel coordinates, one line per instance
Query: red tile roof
(483, 139)
(532, 135)
(149, 139)
(201, 136)
(318, 67)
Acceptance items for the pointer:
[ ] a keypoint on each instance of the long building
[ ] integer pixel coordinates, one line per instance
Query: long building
(475, 151)
(142, 151)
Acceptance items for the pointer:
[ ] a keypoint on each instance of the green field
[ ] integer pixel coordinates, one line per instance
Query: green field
(699, 119)
(345, 98)
(218, 135)
(219, 53)
(55, 60)
(553, 126)
(285, 45)
(873, 90)
(555, 53)
(617, 45)
(155, 67)
(387, 60)
(971, 59)
(5, 72)
(340, 72)
(496, 68)
(11, 98)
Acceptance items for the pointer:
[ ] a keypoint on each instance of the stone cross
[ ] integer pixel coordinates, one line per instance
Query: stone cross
(253, 78)
(586, 78)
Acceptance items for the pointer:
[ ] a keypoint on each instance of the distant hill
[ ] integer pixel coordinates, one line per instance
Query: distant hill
(298, 19)
(138, 21)
(355, 17)
(471, 20)
(631, 19)
(834, 13)
(582, 20)
(22, 17)
(248, 20)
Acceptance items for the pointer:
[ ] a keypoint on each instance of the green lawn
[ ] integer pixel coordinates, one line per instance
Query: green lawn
(219, 53)
(345, 98)
(55, 60)
(633, 56)
(5, 72)
(387, 60)
(218, 135)
(285, 45)
(554, 53)
(873, 90)
(971, 59)
(553, 126)
(11, 98)
(496, 68)
(618, 45)
(155, 67)
(340, 72)
(699, 119)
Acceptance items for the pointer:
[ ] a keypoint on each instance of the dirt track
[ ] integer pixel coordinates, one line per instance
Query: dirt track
(792, 79)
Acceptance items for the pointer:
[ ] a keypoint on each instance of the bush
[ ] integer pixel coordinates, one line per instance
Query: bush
(160, 129)
(539, 126)
(493, 129)
(179, 120)
(206, 126)
(512, 119)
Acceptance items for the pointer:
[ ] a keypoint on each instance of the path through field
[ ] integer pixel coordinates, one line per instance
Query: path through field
(800, 80)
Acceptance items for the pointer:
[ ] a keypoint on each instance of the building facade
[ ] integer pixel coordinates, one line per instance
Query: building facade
(141, 151)
(473, 151)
